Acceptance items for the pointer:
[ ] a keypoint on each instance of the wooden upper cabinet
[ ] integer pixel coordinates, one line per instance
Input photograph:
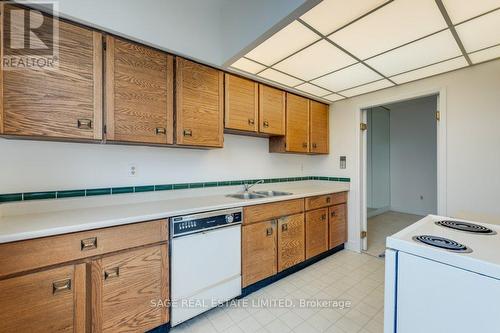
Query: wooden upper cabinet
(319, 124)
(63, 102)
(271, 110)
(199, 107)
(139, 93)
(241, 104)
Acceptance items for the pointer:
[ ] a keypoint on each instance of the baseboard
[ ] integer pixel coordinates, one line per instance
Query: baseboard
(263, 283)
(378, 211)
(165, 328)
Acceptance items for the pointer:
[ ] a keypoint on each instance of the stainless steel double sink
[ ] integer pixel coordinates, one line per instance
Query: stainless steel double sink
(258, 194)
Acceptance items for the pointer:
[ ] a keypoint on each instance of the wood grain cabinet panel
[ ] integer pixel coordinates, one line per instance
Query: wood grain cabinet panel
(338, 225)
(139, 93)
(319, 133)
(199, 110)
(273, 210)
(316, 232)
(125, 287)
(319, 201)
(271, 110)
(291, 242)
(46, 301)
(64, 102)
(241, 104)
(259, 252)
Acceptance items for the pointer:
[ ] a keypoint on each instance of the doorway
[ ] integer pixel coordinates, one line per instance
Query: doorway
(401, 167)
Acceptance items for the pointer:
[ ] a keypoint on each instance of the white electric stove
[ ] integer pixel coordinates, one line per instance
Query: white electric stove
(443, 275)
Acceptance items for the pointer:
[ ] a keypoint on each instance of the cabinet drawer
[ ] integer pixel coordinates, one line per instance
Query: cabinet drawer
(271, 211)
(319, 201)
(339, 198)
(31, 254)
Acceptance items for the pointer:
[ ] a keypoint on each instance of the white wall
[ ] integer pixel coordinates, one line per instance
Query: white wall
(473, 139)
(413, 156)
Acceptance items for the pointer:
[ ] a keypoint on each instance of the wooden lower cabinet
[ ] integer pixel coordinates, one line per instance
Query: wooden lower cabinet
(47, 301)
(316, 232)
(291, 247)
(259, 251)
(125, 287)
(338, 225)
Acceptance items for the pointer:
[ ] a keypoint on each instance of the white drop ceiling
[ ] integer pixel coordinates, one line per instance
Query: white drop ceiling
(344, 48)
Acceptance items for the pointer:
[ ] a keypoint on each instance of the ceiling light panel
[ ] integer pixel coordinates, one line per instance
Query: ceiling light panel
(395, 24)
(442, 67)
(423, 52)
(485, 55)
(481, 32)
(316, 60)
(283, 43)
(248, 66)
(276, 76)
(330, 15)
(312, 89)
(349, 77)
(461, 10)
(333, 97)
(368, 88)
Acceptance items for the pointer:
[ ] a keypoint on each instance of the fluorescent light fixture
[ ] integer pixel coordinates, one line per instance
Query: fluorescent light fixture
(481, 32)
(395, 24)
(247, 65)
(283, 43)
(330, 15)
(461, 10)
(333, 97)
(423, 52)
(316, 60)
(367, 88)
(279, 77)
(442, 67)
(312, 89)
(349, 77)
(485, 55)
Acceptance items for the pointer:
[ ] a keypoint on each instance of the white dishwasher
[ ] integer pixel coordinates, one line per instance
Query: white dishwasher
(205, 262)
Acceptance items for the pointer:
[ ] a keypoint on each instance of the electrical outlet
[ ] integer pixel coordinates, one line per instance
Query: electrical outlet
(132, 170)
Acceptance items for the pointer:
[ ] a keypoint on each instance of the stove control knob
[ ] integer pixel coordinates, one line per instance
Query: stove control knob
(229, 218)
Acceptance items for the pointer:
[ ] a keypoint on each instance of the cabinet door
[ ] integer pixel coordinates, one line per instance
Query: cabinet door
(126, 288)
(316, 232)
(258, 252)
(46, 301)
(241, 104)
(297, 124)
(64, 102)
(319, 128)
(338, 225)
(139, 93)
(271, 110)
(199, 109)
(291, 247)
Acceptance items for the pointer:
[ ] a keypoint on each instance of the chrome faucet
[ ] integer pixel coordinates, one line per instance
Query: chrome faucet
(249, 186)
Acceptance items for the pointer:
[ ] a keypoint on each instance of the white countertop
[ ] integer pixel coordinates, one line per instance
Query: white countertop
(33, 219)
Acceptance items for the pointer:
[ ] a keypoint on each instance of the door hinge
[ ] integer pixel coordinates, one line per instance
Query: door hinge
(363, 126)
(364, 234)
(438, 115)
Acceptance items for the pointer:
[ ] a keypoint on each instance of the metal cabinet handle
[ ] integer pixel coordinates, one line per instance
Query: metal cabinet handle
(188, 132)
(328, 199)
(112, 273)
(160, 130)
(265, 123)
(334, 214)
(304, 145)
(251, 121)
(269, 231)
(88, 244)
(84, 123)
(284, 227)
(61, 285)
(323, 217)
(315, 146)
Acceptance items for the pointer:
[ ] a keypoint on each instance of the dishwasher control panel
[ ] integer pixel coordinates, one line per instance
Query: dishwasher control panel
(184, 225)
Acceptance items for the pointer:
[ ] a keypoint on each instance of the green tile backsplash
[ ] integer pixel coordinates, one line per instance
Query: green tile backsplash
(10, 197)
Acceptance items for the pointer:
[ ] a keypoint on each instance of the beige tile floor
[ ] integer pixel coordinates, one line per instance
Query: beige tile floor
(386, 224)
(343, 277)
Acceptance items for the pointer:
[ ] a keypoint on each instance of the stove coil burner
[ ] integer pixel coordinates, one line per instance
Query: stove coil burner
(443, 243)
(466, 226)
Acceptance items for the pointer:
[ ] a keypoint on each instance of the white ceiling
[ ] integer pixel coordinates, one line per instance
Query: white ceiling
(343, 48)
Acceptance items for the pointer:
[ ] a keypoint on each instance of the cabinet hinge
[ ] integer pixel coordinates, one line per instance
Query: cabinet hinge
(363, 126)
(438, 115)
(364, 234)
